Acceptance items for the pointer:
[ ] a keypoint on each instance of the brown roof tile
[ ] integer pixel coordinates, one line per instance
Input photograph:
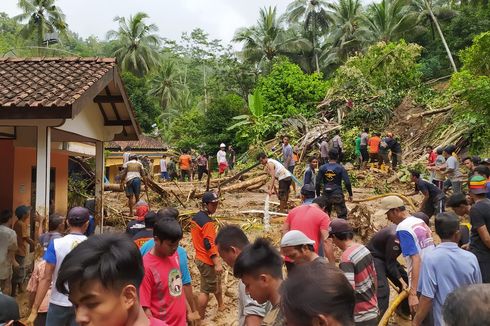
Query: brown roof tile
(48, 81)
(145, 142)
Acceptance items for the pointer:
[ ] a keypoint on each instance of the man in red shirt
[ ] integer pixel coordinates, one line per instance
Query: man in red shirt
(161, 289)
(431, 160)
(312, 221)
(203, 233)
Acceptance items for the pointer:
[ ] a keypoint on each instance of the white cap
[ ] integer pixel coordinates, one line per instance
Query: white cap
(222, 145)
(295, 238)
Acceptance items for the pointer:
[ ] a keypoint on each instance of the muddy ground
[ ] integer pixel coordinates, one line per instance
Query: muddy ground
(231, 211)
(232, 206)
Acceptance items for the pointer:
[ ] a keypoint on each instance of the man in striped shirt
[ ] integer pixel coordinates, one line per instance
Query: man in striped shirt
(357, 264)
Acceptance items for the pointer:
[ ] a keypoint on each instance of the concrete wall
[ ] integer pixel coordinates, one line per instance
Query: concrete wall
(24, 161)
(6, 175)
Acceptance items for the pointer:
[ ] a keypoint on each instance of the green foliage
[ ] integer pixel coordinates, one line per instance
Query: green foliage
(41, 17)
(389, 65)
(472, 105)
(375, 82)
(470, 92)
(349, 136)
(288, 91)
(459, 32)
(135, 44)
(146, 108)
(476, 59)
(206, 130)
(218, 117)
(388, 20)
(187, 130)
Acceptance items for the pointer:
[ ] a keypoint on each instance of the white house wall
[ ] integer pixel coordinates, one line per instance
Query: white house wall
(90, 123)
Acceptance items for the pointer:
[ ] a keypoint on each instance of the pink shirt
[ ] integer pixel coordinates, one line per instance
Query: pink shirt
(157, 322)
(310, 220)
(161, 289)
(33, 283)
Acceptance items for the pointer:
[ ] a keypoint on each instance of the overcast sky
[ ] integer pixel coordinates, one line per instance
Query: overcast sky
(219, 18)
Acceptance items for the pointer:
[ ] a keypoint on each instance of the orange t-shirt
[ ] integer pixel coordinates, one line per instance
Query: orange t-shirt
(374, 144)
(185, 161)
(203, 232)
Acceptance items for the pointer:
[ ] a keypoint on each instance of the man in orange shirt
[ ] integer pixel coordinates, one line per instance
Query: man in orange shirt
(203, 233)
(185, 161)
(373, 143)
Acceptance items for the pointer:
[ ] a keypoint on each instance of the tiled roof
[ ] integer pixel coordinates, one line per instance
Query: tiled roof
(48, 82)
(145, 142)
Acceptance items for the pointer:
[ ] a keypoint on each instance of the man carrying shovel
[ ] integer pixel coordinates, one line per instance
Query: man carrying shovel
(133, 174)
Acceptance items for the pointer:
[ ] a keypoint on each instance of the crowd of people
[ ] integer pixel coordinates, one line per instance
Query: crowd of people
(185, 166)
(143, 277)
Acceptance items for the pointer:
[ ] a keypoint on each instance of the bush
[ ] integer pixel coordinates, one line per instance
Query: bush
(470, 89)
(288, 91)
(375, 83)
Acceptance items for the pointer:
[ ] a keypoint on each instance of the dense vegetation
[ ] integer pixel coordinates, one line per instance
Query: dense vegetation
(197, 92)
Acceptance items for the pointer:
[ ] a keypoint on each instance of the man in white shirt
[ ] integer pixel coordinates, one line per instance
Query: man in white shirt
(277, 171)
(60, 311)
(8, 247)
(221, 158)
(415, 240)
(163, 168)
(133, 173)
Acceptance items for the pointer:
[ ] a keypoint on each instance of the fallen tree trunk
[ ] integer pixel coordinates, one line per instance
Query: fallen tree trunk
(430, 112)
(240, 186)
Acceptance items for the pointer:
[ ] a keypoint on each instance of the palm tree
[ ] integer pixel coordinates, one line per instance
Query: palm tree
(42, 17)
(343, 39)
(136, 44)
(312, 14)
(388, 20)
(429, 14)
(166, 84)
(268, 39)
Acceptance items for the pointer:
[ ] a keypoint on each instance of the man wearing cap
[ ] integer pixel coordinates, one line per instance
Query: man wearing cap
(60, 310)
(221, 159)
(311, 221)
(331, 175)
(203, 232)
(300, 249)
(21, 228)
(415, 240)
(480, 225)
(357, 264)
(133, 173)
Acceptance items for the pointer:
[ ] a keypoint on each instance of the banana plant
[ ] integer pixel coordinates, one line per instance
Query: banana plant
(256, 107)
(257, 124)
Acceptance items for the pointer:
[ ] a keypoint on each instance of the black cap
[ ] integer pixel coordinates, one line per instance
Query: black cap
(209, 197)
(10, 309)
(78, 215)
(308, 191)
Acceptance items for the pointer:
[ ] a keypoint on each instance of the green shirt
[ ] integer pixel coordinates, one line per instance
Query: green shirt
(358, 146)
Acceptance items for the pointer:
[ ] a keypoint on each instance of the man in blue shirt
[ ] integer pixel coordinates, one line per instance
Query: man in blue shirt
(445, 269)
(331, 175)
